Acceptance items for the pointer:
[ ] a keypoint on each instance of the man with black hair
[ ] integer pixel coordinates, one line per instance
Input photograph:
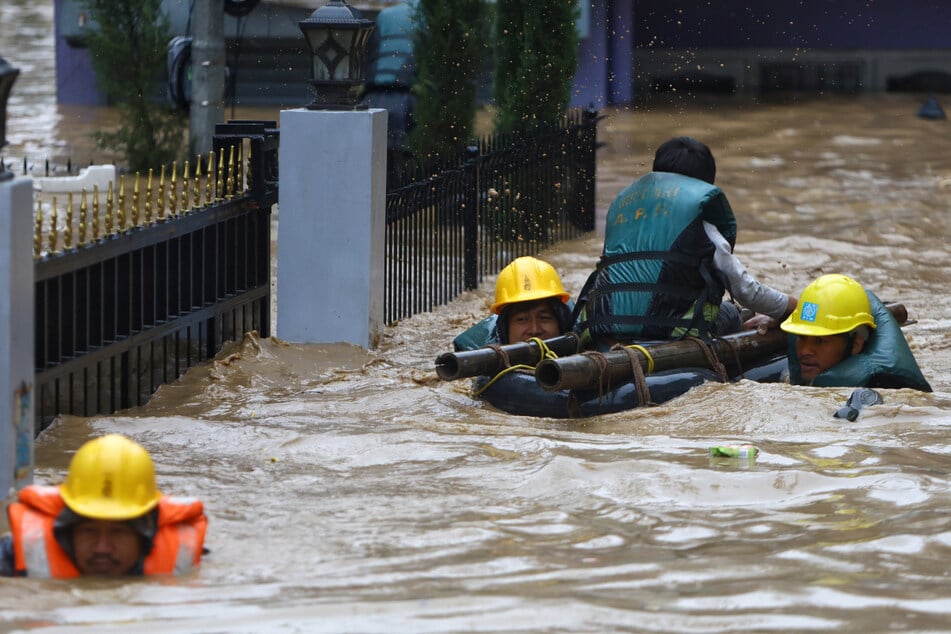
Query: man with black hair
(530, 302)
(668, 258)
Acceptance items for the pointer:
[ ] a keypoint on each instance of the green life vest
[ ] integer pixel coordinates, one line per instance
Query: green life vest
(655, 277)
(479, 335)
(885, 361)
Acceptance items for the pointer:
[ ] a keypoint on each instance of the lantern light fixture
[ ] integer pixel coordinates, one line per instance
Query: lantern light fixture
(337, 36)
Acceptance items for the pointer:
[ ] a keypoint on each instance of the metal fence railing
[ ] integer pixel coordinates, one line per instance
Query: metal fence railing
(161, 285)
(133, 290)
(509, 196)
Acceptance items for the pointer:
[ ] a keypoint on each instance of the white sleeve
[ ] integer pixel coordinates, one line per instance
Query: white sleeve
(743, 286)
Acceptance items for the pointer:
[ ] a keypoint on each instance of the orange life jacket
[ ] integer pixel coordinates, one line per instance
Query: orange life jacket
(176, 548)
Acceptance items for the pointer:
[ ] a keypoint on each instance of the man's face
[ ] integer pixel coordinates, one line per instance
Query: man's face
(816, 354)
(105, 548)
(534, 319)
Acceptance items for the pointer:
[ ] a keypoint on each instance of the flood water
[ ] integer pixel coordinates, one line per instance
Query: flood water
(353, 491)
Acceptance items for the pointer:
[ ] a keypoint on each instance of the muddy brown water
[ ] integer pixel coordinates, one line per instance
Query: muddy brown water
(352, 491)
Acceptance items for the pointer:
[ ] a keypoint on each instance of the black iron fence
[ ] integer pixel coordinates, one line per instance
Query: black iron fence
(509, 196)
(121, 314)
(141, 301)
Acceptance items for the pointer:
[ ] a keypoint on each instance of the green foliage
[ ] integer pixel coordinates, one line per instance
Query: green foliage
(450, 44)
(128, 49)
(536, 56)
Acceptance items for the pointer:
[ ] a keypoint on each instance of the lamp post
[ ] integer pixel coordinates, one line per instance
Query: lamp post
(8, 75)
(332, 193)
(337, 37)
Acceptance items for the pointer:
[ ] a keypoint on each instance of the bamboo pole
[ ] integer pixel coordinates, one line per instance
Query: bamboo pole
(490, 361)
(604, 370)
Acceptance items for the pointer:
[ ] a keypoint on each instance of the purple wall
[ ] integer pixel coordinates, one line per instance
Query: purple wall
(817, 24)
(605, 65)
(75, 78)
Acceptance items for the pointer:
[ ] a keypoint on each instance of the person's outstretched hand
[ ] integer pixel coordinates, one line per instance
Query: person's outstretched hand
(761, 323)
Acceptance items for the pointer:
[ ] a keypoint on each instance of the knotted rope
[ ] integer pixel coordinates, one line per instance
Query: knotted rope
(712, 359)
(544, 352)
(640, 381)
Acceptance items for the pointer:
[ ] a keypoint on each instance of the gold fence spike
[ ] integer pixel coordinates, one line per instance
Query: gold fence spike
(109, 210)
(95, 212)
(173, 193)
(135, 201)
(161, 194)
(148, 199)
(210, 180)
(197, 191)
(68, 230)
(53, 236)
(246, 167)
(38, 230)
(83, 209)
(231, 167)
(186, 189)
(120, 206)
(220, 180)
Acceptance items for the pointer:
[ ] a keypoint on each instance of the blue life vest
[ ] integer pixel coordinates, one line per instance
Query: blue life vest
(390, 60)
(655, 278)
(885, 361)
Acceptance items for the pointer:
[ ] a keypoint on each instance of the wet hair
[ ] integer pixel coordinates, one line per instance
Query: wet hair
(688, 156)
(561, 310)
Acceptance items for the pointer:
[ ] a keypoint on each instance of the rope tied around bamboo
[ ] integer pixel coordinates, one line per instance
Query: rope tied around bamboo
(713, 361)
(613, 368)
(639, 379)
(575, 369)
(492, 359)
(582, 372)
(503, 355)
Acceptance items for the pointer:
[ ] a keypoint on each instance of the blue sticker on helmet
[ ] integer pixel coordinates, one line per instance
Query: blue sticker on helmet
(809, 311)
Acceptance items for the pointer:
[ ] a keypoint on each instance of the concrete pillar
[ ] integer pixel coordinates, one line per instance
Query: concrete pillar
(16, 335)
(331, 226)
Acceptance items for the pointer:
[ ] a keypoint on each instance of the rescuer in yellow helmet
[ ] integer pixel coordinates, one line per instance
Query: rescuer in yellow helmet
(832, 322)
(844, 336)
(107, 519)
(530, 301)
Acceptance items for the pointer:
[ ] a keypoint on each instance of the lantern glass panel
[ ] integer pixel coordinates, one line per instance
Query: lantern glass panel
(316, 40)
(345, 40)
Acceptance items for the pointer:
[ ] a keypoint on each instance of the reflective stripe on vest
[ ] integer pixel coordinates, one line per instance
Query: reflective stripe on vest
(187, 540)
(33, 542)
(31, 524)
(177, 547)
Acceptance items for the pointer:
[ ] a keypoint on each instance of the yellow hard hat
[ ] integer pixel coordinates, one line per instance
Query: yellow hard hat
(527, 279)
(111, 478)
(833, 304)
